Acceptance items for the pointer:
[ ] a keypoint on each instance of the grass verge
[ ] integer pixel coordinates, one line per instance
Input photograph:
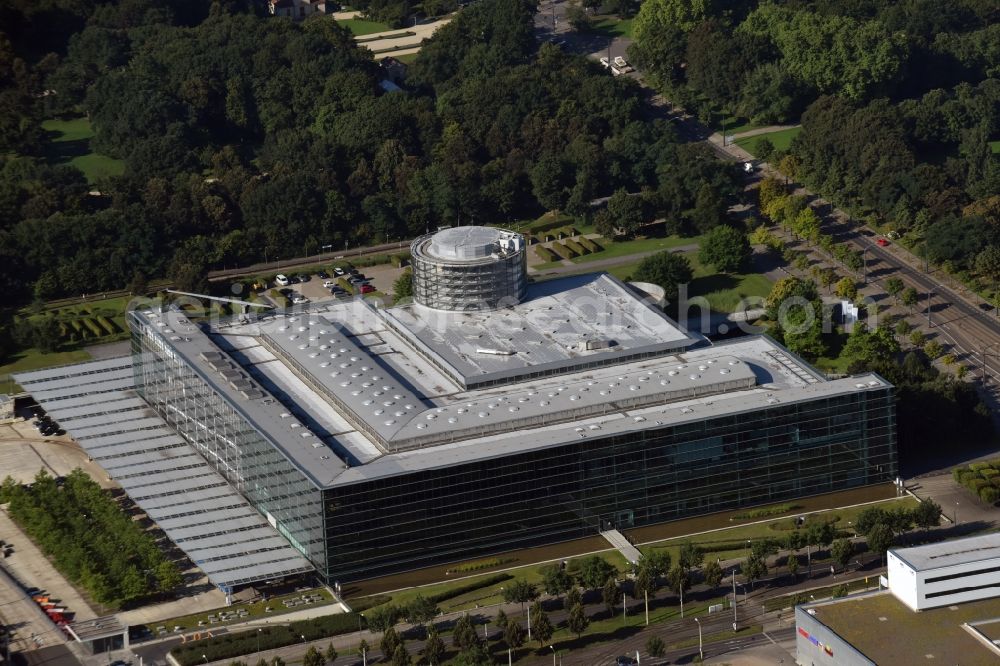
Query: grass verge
(782, 140)
(359, 26)
(612, 26)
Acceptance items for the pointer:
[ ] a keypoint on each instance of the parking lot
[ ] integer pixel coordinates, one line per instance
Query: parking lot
(380, 277)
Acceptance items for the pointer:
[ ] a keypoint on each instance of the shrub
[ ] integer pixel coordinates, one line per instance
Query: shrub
(469, 587)
(545, 254)
(563, 251)
(107, 325)
(92, 326)
(989, 494)
(233, 645)
(400, 260)
(576, 247)
(590, 244)
(988, 473)
(979, 466)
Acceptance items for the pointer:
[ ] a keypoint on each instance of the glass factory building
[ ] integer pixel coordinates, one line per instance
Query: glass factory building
(377, 440)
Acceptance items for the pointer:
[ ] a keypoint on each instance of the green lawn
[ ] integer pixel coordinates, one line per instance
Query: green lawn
(725, 292)
(612, 26)
(781, 139)
(614, 249)
(71, 145)
(33, 359)
(995, 147)
(407, 58)
(362, 27)
(733, 125)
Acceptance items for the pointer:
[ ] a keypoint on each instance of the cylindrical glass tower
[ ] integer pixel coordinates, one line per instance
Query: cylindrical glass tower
(469, 268)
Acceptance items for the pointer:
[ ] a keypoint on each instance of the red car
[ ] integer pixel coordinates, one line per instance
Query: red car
(367, 289)
(882, 242)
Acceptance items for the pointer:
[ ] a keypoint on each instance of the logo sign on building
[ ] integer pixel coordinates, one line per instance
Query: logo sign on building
(815, 641)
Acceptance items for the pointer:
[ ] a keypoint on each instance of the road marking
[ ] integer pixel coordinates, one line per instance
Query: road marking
(768, 637)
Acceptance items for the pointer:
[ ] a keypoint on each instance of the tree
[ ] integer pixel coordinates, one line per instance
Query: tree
(541, 626)
(513, 634)
(880, 538)
(464, 634)
(555, 580)
(909, 297)
(382, 618)
(577, 16)
(665, 269)
(709, 209)
(434, 647)
(520, 591)
(712, 573)
(847, 288)
(725, 249)
(573, 597)
(403, 286)
(645, 583)
(793, 565)
(278, 661)
(474, 655)
(168, 577)
(656, 647)
(312, 657)
(754, 568)
(842, 550)
(690, 555)
(577, 621)
(390, 641)
(988, 263)
(933, 349)
(927, 514)
(400, 656)
(764, 148)
(331, 653)
(595, 572)
(679, 581)
(893, 287)
(500, 620)
(626, 212)
(611, 595)
(421, 610)
(917, 338)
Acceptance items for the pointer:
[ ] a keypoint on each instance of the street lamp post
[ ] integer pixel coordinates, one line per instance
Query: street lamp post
(864, 264)
(553, 648)
(258, 642)
(701, 652)
(205, 658)
(956, 513)
(985, 349)
(529, 624)
(734, 598)
(929, 323)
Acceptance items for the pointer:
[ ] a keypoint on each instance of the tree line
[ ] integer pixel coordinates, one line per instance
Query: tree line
(90, 539)
(248, 139)
(898, 102)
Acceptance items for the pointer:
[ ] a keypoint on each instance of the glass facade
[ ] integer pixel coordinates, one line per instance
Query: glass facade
(226, 438)
(629, 480)
(468, 285)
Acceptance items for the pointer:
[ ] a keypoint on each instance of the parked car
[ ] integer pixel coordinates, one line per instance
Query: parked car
(367, 289)
(329, 283)
(339, 272)
(322, 275)
(625, 661)
(882, 242)
(286, 291)
(281, 280)
(305, 277)
(299, 298)
(337, 289)
(354, 271)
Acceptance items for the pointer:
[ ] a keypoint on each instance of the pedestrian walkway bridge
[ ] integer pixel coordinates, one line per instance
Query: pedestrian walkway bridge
(618, 540)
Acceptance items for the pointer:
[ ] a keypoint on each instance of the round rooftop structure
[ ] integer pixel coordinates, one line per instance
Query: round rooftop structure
(469, 268)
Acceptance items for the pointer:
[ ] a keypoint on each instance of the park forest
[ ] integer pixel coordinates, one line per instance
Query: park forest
(898, 101)
(247, 138)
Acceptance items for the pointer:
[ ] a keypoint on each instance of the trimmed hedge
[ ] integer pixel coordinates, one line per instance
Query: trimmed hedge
(563, 251)
(469, 587)
(545, 253)
(107, 325)
(233, 645)
(590, 244)
(576, 247)
(92, 326)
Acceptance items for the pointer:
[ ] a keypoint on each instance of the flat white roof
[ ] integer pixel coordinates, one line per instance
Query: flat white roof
(347, 397)
(950, 553)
